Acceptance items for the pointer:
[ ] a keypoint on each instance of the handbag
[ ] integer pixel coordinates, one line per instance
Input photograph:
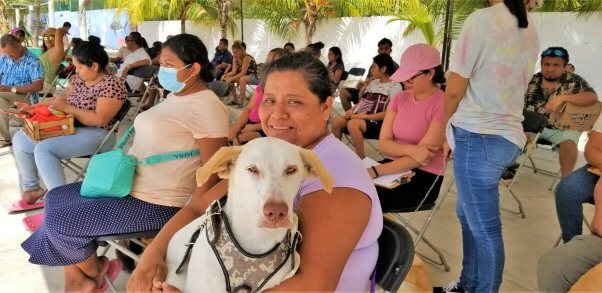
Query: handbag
(111, 174)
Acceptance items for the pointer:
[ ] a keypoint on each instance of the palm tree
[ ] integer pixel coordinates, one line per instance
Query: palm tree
(419, 17)
(284, 17)
(224, 7)
(4, 26)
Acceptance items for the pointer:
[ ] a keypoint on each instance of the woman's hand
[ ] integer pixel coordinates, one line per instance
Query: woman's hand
(149, 274)
(232, 134)
(423, 154)
(24, 107)
(59, 103)
(247, 128)
(358, 116)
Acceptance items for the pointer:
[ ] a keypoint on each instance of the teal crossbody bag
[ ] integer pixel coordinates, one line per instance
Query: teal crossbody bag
(111, 174)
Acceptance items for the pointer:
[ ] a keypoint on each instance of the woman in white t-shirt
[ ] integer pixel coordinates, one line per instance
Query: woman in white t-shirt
(493, 62)
(191, 117)
(365, 119)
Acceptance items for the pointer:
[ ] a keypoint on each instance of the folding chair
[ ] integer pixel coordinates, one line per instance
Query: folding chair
(585, 221)
(533, 123)
(109, 241)
(149, 78)
(80, 170)
(543, 144)
(395, 256)
(433, 207)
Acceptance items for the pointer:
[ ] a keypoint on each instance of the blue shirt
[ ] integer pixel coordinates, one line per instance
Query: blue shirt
(222, 57)
(22, 72)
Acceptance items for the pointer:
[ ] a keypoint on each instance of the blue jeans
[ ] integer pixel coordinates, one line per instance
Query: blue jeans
(574, 190)
(44, 158)
(479, 160)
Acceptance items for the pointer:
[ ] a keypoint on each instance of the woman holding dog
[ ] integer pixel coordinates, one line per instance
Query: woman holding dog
(340, 230)
(484, 106)
(190, 117)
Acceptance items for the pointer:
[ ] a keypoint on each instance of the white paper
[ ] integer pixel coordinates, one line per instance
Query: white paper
(386, 181)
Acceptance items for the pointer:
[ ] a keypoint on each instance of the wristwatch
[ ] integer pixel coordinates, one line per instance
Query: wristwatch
(13, 89)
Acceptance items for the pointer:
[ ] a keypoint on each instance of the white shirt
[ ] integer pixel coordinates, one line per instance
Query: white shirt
(133, 81)
(498, 58)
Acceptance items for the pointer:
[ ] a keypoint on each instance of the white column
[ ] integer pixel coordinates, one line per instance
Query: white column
(51, 13)
(83, 23)
(17, 16)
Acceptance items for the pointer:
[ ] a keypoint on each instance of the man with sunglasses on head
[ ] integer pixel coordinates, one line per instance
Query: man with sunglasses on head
(549, 89)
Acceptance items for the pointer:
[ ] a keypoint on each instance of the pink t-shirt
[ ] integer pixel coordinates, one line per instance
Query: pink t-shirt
(254, 115)
(348, 171)
(412, 121)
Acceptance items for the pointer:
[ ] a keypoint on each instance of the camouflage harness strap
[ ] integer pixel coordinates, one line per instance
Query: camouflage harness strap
(251, 269)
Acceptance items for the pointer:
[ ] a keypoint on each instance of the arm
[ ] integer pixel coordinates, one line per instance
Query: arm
(243, 71)
(454, 93)
(580, 99)
(336, 76)
(152, 269)
(593, 150)
(106, 109)
(58, 51)
(374, 117)
(141, 63)
(427, 148)
(34, 87)
(330, 235)
(233, 69)
(244, 116)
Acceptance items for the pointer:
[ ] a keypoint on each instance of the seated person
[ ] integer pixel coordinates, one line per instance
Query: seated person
(336, 254)
(22, 74)
(315, 49)
(155, 52)
(243, 72)
(577, 265)
(365, 119)
(93, 97)
(578, 187)
(19, 34)
(335, 67)
(72, 221)
(549, 89)
(137, 58)
(53, 52)
(412, 133)
(348, 95)
(222, 58)
(248, 125)
(121, 54)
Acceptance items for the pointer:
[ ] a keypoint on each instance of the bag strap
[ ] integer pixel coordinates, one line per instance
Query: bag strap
(125, 138)
(172, 156)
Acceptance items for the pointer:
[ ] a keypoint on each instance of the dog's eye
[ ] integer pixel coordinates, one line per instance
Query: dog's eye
(253, 169)
(290, 170)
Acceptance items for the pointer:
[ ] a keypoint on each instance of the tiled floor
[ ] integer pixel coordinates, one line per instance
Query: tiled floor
(525, 239)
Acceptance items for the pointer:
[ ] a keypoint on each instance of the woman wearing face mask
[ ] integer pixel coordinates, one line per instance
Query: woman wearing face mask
(190, 117)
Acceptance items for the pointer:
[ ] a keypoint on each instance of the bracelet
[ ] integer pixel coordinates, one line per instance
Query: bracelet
(375, 172)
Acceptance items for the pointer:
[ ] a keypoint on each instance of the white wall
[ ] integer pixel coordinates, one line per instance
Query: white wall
(101, 23)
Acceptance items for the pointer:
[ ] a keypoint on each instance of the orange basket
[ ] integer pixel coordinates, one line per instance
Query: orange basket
(35, 129)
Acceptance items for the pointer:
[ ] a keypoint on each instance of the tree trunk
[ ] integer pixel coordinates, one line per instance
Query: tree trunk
(36, 24)
(224, 7)
(310, 20)
(83, 23)
(183, 16)
(4, 26)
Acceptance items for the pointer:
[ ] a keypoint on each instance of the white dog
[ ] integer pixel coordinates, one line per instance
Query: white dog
(257, 250)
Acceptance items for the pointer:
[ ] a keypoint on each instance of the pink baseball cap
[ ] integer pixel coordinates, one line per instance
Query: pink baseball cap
(415, 59)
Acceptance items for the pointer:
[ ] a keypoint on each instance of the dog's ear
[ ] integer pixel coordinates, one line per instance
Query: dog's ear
(220, 163)
(314, 168)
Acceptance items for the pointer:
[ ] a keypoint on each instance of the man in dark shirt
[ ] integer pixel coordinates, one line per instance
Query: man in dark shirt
(222, 58)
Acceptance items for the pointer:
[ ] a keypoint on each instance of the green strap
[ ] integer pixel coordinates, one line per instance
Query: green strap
(156, 159)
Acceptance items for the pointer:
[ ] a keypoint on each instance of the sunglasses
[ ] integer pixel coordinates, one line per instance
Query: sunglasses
(411, 79)
(553, 52)
(48, 38)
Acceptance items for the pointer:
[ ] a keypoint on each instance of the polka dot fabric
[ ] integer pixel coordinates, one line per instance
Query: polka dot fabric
(85, 97)
(72, 222)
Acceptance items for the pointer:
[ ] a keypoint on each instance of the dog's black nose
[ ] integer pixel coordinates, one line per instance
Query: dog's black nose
(275, 212)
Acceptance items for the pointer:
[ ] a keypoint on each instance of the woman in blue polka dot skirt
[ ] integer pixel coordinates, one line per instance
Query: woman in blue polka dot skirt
(190, 117)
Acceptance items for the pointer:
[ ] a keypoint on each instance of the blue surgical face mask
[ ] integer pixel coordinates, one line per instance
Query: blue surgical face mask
(168, 78)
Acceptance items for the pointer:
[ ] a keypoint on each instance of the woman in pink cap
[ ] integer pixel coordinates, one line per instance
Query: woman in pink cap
(493, 62)
(412, 133)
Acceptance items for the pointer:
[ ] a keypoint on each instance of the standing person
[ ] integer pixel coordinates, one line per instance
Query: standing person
(483, 104)
(66, 27)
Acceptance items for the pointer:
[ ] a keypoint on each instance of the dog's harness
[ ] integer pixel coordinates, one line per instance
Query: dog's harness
(251, 269)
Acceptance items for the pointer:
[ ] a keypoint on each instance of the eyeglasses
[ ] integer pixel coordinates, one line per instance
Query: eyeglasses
(129, 41)
(553, 52)
(48, 38)
(411, 79)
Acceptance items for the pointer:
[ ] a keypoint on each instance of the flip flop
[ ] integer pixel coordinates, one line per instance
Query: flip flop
(22, 205)
(112, 273)
(32, 223)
